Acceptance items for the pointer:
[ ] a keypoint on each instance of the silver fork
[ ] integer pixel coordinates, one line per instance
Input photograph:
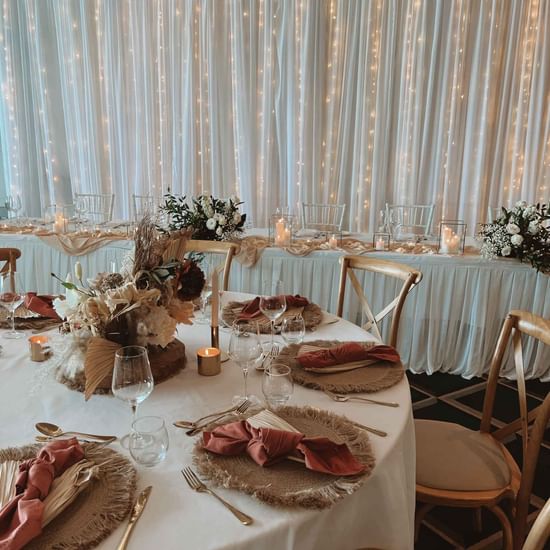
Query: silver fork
(344, 398)
(273, 352)
(197, 485)
(245, 405)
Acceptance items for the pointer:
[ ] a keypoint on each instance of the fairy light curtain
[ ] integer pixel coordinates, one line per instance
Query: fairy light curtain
(356, 102)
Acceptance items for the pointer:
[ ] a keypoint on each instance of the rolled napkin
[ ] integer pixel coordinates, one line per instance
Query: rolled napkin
(266, 446)
(252, 309)
(21, 517)
(43, 305)
(348, 356)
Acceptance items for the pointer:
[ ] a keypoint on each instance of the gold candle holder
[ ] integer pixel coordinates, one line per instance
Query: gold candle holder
(38, 348)
(215, 337)
(208, 360)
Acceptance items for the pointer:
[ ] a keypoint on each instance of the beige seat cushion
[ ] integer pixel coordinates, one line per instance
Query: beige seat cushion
(449, 456)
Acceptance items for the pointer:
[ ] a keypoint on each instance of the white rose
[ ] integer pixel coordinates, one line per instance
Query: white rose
(222, 220)
(236, 217)
(506, 251)
(211, 223)
(512, 228)
(219, 231)
(522, 204)
(534, 227)
(516, 240)
(529, 211)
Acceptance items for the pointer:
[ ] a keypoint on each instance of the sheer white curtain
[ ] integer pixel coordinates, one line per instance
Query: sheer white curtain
(279, 101)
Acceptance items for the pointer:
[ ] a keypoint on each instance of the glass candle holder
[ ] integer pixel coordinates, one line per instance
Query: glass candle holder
(381, 241)
(452, 237)
(280, 229)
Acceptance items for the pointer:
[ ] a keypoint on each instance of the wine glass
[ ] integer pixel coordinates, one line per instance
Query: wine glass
(13, 204)
(80, 208)
(273, 304)
(293, 329)
(148, 441)
(11, 297)
(132, 378)
(245, 348)
(277, 384)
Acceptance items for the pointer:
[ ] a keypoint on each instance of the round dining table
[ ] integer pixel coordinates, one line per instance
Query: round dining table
(380, 514)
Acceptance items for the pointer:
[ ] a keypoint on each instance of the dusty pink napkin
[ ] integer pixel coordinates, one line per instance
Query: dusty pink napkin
(252, 309)
(267, 445)
(21, 517)
(346, 353)
(43, 305)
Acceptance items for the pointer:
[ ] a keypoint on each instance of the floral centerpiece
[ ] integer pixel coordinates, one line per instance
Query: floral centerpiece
(209, 218)
(522, 232)
(141, 307)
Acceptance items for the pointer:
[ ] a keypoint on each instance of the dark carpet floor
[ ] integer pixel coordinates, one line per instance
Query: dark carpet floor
(454, 399)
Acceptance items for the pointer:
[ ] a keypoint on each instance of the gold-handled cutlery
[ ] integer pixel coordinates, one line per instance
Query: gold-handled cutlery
(194, 424)
(197, 485)
(106, 441)
(52, 430)
(369, 429)
(137, 510)
(344, 398)
(245, 405)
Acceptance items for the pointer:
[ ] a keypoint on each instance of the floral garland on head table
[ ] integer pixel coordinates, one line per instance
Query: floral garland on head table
(209, 218)
(522, 232)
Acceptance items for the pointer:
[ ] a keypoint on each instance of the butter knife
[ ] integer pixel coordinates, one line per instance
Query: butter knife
(137, 510)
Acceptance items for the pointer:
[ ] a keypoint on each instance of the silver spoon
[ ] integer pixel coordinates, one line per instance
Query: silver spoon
(53, 430)
(344, 398)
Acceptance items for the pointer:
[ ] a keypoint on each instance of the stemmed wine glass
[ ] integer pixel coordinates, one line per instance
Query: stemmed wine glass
(13, 204)
(80, 208)
(273, 305)
(246, 349)
(132, 378)
(11, 297)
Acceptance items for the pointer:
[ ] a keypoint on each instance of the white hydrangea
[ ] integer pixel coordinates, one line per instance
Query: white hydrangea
(219, 231)
(506, 251)
(512, 228)
(211, 224)
(222, 220)
(516, 240)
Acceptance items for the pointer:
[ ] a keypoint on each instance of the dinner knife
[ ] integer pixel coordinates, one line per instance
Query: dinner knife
(137, 510)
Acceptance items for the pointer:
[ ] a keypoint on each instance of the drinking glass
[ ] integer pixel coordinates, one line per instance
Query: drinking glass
(148, 442)
(13, 204)
(277, 385)
(293, 329)
(11, 297)
(245, 349)
(80, 208)
(132, 378)
(273, 304)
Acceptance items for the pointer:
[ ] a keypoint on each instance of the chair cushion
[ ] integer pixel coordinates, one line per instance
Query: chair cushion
(452, 457)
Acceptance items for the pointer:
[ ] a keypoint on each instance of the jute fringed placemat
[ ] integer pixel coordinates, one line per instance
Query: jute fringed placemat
(97, 511)
(288, 483)
(373, 378)
(26, 319)
(311, 313)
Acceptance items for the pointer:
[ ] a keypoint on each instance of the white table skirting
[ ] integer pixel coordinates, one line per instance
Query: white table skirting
(450, 322)
(380, 514)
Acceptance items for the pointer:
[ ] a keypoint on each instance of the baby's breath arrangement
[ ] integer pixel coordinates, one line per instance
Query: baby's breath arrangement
(522, 232)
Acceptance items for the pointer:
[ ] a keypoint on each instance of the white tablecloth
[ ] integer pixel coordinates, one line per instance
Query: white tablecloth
(380, 514)
(450, 322)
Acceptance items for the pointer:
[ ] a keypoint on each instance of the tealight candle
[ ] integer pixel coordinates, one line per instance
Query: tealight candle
(38, 348)
(333, 242)
(208, 360)
(380, 244)
(59, 224)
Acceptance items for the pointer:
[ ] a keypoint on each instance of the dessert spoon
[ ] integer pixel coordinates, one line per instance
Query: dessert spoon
(53, 430)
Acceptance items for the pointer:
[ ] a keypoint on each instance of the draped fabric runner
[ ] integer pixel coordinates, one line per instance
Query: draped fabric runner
(267, 446)
(346, 354)
(79, 245)
(21, 517)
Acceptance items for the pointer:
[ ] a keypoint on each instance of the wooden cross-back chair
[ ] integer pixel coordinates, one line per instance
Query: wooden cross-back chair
(410, 277)
(215, 247)
(9, 257)
(463, 468)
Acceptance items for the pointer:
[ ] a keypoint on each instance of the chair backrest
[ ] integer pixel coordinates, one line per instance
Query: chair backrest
(410, 277)
(516, 324)
(9, 257)
(540, 530)
(143, 205)
(99, 207)
(4, 212)
(215, 247)
(323, 217)
(415, 219)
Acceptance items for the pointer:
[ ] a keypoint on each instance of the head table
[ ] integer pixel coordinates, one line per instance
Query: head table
(380, 514)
